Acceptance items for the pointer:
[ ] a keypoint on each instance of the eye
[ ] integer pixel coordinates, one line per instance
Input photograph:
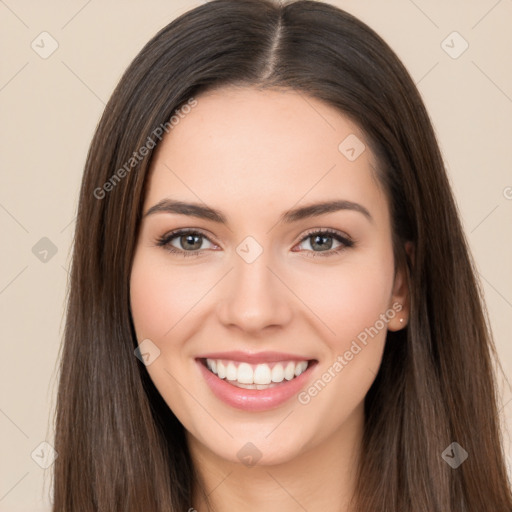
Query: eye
(184, 241)
(187, 242)
(323, 240)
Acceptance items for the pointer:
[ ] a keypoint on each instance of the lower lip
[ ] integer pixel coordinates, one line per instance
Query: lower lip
(255, 399)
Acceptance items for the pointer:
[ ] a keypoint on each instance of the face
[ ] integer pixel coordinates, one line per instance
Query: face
(289, 305)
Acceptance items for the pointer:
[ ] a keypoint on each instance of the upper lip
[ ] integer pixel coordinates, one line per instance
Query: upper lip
(254, 357)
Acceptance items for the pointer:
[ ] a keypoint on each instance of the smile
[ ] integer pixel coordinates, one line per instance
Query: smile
(255, 382)
(252, 376)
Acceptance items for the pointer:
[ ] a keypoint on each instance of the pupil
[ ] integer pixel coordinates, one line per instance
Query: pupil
(190, 239)
(323, 238)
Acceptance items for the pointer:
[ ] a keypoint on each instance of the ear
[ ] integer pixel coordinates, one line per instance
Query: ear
(399, 301)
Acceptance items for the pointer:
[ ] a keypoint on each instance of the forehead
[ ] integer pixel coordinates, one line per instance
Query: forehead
(250, 148)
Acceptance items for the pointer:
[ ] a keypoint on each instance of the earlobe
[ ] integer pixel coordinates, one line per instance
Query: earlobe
(400, 297)
(401, 317)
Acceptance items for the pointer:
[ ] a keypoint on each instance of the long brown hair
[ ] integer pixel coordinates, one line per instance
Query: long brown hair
(120, 446)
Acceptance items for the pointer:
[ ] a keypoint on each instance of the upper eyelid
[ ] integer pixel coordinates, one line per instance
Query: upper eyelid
(180, 231)
(329, 231)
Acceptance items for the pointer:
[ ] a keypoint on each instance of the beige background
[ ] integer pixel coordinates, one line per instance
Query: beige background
(50, 107)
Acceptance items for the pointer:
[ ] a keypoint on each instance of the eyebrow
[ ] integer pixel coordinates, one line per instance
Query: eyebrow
(294, 215)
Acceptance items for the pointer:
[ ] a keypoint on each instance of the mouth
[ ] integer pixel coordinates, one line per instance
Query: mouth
(256, 376)
(255, 386)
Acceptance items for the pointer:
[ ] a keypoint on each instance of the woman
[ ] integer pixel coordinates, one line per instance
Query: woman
(325, 347)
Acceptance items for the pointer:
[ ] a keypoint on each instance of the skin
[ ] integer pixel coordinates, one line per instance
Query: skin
(252, 155)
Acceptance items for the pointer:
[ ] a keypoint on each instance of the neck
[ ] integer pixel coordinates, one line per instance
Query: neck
(320, 478)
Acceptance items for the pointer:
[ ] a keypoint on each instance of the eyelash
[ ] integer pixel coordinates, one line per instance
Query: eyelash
(165, 240)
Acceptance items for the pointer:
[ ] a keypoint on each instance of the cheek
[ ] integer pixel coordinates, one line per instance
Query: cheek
(355, 308)
(160, 296)
(348, 298)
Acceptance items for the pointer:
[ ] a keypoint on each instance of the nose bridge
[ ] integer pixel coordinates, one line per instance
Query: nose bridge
(255, 298)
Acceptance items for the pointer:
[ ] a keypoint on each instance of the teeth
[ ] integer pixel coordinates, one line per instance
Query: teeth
(289, 371)
(262, 374)
(277, 373)
(245, 374)
(257, 376)
(231, 372)
(221, 370)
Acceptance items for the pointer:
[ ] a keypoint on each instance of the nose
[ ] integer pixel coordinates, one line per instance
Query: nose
(254, 297)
